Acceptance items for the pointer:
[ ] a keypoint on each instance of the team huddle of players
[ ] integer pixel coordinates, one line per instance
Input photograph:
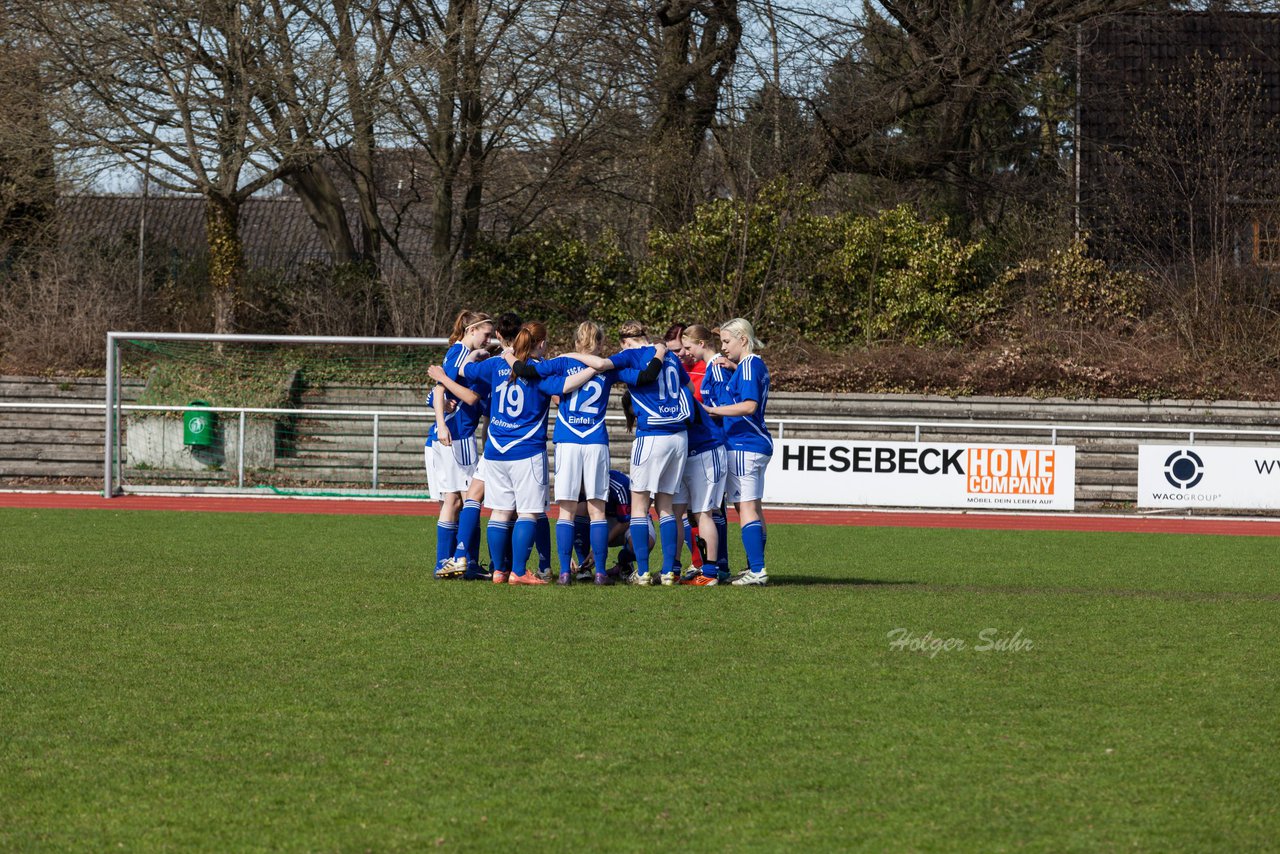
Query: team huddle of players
(696, 402)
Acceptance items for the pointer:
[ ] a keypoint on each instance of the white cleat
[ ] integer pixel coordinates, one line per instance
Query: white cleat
(751, 579)
(641, 580)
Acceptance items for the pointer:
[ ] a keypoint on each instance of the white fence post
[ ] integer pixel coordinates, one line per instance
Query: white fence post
(109, 449)
(375, 450)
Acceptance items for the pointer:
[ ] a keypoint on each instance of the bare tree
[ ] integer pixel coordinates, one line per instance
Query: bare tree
(173, 87)
(697, 47)
(27, 188)
(934, 90)
(1180, 197)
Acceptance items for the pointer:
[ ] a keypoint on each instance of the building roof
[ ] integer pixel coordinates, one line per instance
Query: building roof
(276, 231)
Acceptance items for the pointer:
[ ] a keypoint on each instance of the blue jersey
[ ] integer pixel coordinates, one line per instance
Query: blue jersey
(618, 502)
(580, 416)
(748, 432)
(662, 406)
(466, 417)
(704, 433)
(517, 410)
(715, 384)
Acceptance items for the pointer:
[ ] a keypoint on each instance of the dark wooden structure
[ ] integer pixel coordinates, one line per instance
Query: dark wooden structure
(1178, 123)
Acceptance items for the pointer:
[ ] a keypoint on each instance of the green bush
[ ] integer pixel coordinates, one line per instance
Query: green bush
(553, 275)
(1077, 290)
(829, 279)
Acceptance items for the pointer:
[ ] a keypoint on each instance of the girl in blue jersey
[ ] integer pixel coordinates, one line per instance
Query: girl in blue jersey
(466, 557)
(658, 453)
(702, 488)
(515, 453)
(582, 448)
(714, 382)
(742, 404)
(450, 452)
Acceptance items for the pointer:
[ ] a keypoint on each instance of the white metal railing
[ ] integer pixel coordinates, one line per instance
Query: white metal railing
(378, 416)
(111, 439)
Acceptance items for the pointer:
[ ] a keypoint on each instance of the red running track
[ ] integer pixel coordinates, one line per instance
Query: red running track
(857, 518)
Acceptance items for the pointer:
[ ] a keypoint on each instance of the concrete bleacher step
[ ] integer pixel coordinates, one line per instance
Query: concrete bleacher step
(338, 449)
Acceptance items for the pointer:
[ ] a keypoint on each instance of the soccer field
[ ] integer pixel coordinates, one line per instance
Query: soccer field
(250, 682)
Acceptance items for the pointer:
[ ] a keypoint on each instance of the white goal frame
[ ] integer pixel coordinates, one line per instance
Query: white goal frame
(111, 453)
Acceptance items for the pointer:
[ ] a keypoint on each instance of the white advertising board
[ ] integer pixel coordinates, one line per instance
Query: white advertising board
(1226, 476)
(922, 474)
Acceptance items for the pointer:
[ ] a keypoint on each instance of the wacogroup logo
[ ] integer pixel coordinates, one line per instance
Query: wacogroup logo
(1183, 469)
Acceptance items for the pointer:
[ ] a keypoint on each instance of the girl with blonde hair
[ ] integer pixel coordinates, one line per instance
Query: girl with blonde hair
(741, 405)
(582, 448)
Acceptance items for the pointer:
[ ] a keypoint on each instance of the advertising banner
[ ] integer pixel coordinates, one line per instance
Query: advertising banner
(1226, 476)
(922, 474)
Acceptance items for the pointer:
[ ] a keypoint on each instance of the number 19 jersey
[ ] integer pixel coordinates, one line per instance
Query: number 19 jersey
(517, 410)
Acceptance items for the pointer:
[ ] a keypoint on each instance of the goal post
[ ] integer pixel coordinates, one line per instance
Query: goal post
(289, 414)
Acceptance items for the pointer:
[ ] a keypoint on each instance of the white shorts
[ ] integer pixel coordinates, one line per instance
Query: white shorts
(450, 467)
(582, 468)
(657, 462)
(702, 487)
(519, 485)
(746, 476)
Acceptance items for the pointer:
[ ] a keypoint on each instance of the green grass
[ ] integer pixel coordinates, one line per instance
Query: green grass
(240, 682)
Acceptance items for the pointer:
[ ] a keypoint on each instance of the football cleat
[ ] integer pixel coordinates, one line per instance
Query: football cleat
(603, 579)
(670, 579)
(751, 579)
(499, 577)
(701, 580)
(543, 574)
(477, 572)
(641, 580)
(527, 578)
(724, 576)
(566, 578)
(690, 574)
(451, 568)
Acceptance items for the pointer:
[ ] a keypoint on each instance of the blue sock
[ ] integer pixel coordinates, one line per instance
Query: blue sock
(669, 532)
(468, 529)
(582, 536)
(542, 536)
(764, 532)
(753, 543)
(446, 541)
(722, 531)
(564, 543)
(499, 539)
(600, 544)
(640, 543)
(688, 535)
(522, 537)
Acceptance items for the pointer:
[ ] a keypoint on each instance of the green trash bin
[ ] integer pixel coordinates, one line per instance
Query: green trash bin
(197, 427)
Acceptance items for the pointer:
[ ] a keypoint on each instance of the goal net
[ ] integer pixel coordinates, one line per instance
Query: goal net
(292, 415)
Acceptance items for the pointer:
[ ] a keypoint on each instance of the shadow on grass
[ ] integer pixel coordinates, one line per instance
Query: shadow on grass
(835, 581)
